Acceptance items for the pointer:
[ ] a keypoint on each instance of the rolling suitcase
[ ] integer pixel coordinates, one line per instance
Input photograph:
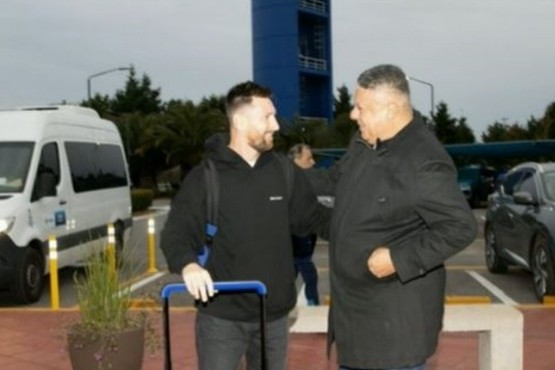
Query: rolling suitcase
(229, 286)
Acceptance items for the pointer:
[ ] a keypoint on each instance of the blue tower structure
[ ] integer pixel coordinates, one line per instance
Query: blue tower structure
(292, 55)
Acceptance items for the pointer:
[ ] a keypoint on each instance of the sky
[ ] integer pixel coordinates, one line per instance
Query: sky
(489, 60)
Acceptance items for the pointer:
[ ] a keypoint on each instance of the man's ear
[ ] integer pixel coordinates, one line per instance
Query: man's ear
(239, 121)
(392, 110)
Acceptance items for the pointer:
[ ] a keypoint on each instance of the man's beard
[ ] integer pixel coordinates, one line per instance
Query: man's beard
(261, 144)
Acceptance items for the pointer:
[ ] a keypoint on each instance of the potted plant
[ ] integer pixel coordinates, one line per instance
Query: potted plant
(109, 334)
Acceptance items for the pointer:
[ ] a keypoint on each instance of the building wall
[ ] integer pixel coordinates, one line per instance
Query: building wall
(292, 55)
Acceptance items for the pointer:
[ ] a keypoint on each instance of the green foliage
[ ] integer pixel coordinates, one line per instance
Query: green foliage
(548, 122)
(138, 96)
(342, 104)
(103, 304)
(105, 311)
(158, 136)
(506, 132)
(181, 131)
(141, 199)
(450, 130)
(343, 130)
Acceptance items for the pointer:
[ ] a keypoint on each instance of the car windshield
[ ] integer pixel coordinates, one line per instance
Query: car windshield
(548, 179)
(14, 165)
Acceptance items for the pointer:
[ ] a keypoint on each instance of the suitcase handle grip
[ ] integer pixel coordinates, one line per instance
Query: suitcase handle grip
(244, 286)
(223, 286)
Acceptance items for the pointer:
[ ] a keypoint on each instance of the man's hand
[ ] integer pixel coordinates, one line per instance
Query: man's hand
(198, 281)
(380, 263)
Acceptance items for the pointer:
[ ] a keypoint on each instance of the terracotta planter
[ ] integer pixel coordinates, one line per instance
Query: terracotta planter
(124, 352)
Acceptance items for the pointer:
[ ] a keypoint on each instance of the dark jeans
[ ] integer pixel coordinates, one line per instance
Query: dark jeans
(309, 273)
(419, 367)
(222, 343)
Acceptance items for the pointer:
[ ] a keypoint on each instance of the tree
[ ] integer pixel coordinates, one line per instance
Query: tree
(548, 121)
(100, 103)
(494, 132)
(145, 160)
(534, 128)
(464, 133)
(181, 131)
(138, 96)
(450, 130)
(506, 132)
(213, 102)
(342, 104)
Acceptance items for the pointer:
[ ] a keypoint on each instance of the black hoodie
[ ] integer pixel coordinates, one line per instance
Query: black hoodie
(255, 220)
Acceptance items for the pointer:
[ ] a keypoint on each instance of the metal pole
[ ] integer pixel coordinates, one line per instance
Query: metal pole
(431, 91)
(100, 74)
(54, 286)
(151, 246)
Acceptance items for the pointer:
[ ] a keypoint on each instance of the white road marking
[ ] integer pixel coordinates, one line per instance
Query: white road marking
(147, 280)
(492, 288)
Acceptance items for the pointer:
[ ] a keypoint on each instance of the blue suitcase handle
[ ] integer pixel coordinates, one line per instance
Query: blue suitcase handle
(224, 286)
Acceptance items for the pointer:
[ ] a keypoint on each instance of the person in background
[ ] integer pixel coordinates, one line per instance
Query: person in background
(257, 214)
(303, 247)
(398, 215)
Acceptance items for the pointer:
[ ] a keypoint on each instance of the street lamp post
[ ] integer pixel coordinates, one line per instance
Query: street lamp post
(100, 74)
(431, 91)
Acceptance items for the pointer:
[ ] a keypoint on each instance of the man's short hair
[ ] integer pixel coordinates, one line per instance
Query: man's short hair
(384, 74)
(243, 93)
(296, 150)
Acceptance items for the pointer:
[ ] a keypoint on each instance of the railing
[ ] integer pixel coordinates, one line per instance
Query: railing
(314, 5)
(307, 119)
(313, 63)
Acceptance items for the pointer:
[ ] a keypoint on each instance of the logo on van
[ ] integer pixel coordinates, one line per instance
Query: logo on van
(60, 218)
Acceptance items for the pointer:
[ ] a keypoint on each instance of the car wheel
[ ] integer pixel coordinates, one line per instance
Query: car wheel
(542, 268)
(494, 262)
(29, 278)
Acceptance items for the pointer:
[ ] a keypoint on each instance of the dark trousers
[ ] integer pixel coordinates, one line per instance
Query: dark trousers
(222, 343)
(306, 267)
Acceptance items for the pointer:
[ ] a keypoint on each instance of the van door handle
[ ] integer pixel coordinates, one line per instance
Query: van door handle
(62, 202)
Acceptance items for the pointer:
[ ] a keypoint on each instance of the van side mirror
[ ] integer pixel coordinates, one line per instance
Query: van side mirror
(45, 186)
(524, 198)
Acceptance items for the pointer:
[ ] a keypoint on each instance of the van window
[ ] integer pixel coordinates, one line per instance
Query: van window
(15, 158)
(95, 166)
(50, 161)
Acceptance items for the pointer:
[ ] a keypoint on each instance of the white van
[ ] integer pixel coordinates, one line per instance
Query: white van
(62, 172)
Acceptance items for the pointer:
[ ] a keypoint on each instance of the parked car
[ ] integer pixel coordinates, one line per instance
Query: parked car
(476, 182)
(520, 224)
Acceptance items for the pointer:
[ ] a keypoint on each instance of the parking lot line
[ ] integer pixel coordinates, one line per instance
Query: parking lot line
(492, 288)
(147, 280)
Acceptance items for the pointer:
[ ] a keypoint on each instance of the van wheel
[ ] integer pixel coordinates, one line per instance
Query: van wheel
(29, 279)
(494, 262)
(542, 268)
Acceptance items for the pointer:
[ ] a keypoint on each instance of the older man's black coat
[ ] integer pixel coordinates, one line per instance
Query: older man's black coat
(402, 195)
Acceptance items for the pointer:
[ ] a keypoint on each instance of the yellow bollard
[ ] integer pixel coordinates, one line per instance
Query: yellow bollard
(111, 250)
(151, 246)
(53, 258)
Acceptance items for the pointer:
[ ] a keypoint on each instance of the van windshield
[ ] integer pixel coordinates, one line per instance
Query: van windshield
(15, 158)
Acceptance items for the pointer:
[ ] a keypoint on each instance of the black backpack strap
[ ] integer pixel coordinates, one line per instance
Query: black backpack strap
(212, 204)
(289, 172)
